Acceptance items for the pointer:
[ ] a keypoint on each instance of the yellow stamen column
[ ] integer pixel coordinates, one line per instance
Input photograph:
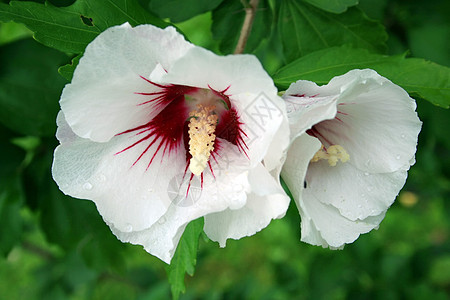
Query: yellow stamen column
(202, 125)
(333, 154)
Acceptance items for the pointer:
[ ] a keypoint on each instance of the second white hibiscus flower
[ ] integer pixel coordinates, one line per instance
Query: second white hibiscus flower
(357, 137)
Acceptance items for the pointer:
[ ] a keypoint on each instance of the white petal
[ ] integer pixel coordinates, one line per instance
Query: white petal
(355, 193)
(267, 201)
(323, 224)
(299, 155)
(158, 240)
(101, 101)
(304, 113)
(241, 73)
(265, 126)
(308, 105)
(276, 154)
(227, 189)
(64, 133)
(129, 197)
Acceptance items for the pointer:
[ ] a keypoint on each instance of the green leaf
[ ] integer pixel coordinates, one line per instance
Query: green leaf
(60, 276)
(333, 6)
(304, 29)
(11, 31)
(11, 193)
(185, 257)
(11, 202)
(417, 76)
(30, 87)
(181, 10)
(70, 29)
(227, 24)
(66, 71)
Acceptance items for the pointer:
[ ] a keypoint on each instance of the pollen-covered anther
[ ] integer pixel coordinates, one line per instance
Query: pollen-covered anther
(333, 154)
(202, 125)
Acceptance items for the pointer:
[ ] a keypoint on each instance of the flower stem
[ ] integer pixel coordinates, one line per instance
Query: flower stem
(250, 11)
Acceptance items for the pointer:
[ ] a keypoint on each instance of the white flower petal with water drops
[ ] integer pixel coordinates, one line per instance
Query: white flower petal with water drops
(366, 131)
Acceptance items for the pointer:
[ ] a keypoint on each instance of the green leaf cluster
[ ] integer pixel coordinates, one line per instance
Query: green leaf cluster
(70, 29)
(304, 29)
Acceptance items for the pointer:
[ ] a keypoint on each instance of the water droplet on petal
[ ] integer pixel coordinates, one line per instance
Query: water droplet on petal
(162, 220)
(101, 178)
(370, 188)
(128, 228)
(359, 206)
(87, 186)
(368, 163)
(397, 157)
(366, 173)
(363, 195)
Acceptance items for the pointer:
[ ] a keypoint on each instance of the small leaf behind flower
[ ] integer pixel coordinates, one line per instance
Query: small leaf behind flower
(11, 192)
(185, 257)
(66, 71)
(70, 29)
(30, 87)
(417, 76)
(304, 28)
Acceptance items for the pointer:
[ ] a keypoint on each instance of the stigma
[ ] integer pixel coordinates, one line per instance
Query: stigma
(202, 125)
(333, 154)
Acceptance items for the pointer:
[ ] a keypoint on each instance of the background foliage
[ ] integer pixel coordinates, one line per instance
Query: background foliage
(55, 247)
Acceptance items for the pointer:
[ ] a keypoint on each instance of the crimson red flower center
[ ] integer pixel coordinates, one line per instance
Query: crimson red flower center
(189, 119)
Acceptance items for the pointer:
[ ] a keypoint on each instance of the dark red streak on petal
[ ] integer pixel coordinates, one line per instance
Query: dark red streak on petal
(165, 130)
(167, 93)
(189, 185)
(222, 95)
(315, 133)
(230, 129)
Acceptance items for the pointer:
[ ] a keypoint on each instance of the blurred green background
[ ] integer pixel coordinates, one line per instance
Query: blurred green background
(61, 249)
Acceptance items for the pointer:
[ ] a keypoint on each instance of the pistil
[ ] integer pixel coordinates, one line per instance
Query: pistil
(202, 125)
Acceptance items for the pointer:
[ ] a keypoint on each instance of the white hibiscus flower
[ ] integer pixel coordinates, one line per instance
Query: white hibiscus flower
(357, 136)
(159, 132)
